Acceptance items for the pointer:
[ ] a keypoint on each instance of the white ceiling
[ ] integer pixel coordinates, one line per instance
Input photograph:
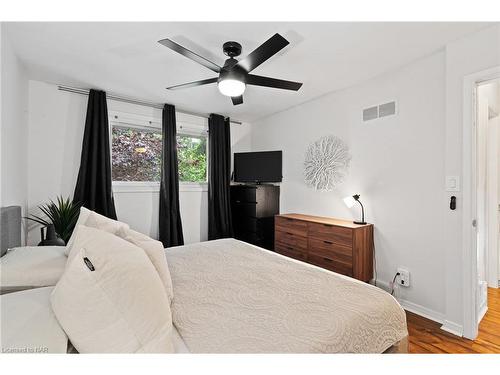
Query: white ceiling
(125, 58)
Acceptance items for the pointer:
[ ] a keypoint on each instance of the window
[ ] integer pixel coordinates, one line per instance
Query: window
(136, 155)
(192, 155)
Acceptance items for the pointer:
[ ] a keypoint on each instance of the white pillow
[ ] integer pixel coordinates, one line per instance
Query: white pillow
(110, 299)
(156, 253)
(31, 266)
(94, 220)
(82, 218)
(29, 325)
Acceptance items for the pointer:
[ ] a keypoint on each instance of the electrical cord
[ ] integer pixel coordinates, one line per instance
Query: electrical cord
(393, 281)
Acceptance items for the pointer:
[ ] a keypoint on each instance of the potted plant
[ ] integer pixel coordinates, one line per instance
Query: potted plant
(62, 216)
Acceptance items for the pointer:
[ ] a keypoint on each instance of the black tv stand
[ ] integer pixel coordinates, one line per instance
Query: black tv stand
(253, 207)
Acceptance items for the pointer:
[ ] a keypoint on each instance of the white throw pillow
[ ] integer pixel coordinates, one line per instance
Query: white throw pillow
(94, 220)
(82, 218)
(29, 325)
(156, 253)
(110, 299)
(31, 266)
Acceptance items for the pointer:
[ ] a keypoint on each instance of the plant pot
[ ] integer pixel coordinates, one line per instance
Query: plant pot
(51, 238)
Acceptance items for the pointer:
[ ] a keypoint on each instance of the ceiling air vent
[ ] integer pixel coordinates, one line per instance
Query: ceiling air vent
(382, 110)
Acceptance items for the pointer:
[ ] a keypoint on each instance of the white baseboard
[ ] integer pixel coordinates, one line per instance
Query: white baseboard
(423, 311)
(453, 328)
(482, 312)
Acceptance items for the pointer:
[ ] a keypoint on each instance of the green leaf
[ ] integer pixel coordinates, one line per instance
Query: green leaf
(63, 214)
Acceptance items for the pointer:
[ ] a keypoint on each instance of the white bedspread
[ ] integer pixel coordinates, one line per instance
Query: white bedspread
(231, 297)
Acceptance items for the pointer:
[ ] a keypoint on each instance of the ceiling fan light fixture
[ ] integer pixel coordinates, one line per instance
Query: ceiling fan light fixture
(231, 87)
(234, 75)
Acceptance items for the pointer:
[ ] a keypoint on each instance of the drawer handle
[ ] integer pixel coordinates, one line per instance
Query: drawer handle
(289, 248)
(328, 242)
(328, 260)
(289, 233)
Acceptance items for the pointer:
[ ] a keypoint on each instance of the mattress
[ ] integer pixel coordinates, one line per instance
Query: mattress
(232, 297)
(31, 267)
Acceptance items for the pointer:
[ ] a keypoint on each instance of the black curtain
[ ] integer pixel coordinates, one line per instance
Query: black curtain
(93, 187)
(170, 225)
(219, 178)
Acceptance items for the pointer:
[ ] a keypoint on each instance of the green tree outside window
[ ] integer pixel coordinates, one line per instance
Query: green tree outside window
(136, 155)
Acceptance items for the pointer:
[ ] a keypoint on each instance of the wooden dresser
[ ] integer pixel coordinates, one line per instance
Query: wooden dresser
(337, 245)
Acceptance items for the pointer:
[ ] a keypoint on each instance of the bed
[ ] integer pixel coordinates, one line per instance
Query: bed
(232, 297)
(10, 228)
(229, 297)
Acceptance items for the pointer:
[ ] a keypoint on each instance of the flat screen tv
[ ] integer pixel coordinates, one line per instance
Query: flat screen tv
(257, 167)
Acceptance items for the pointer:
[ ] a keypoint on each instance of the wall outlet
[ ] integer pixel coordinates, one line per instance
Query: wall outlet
(404, 277)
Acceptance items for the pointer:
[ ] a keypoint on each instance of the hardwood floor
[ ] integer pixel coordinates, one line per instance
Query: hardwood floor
(426, 336)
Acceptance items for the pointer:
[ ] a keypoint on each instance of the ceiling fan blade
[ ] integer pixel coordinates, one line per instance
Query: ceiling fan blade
(190, 54)
(237, 99)
(193, 84)
(272, 82)
(267, 49)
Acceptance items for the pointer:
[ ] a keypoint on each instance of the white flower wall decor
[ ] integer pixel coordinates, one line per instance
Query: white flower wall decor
(326, 163)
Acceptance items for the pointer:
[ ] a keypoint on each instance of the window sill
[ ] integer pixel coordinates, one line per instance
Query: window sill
(154, 187)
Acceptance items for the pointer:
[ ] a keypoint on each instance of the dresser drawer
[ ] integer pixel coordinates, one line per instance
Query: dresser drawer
(289, 251)
(243, 194)
(285, 224)
(291, 239)
(243, 210)
(330, 250)
(335, 234)
(247, 223)
(330, 264)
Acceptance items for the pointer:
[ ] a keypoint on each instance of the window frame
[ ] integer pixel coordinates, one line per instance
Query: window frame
(187, 125)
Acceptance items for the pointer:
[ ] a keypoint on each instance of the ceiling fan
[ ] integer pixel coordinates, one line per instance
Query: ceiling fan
(235, 75)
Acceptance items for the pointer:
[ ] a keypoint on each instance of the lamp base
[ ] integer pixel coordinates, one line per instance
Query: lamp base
(360, 222)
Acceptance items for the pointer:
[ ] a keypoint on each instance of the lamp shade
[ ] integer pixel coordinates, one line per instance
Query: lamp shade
(231, 87)
(349, 201)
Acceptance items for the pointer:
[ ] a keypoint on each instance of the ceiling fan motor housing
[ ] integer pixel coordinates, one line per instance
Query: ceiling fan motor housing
(232, 71)
(231, 49)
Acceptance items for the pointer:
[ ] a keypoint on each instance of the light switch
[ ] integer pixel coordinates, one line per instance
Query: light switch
(452, 183)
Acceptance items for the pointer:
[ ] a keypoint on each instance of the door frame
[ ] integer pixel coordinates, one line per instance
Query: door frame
(469, 246)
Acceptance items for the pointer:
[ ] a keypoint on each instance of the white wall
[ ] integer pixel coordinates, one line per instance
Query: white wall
(498, 148)
(498, 140)
(487, 178)
(481, 196)
(14, 128)
(241, 139)
(56, 124)
(397, 166)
